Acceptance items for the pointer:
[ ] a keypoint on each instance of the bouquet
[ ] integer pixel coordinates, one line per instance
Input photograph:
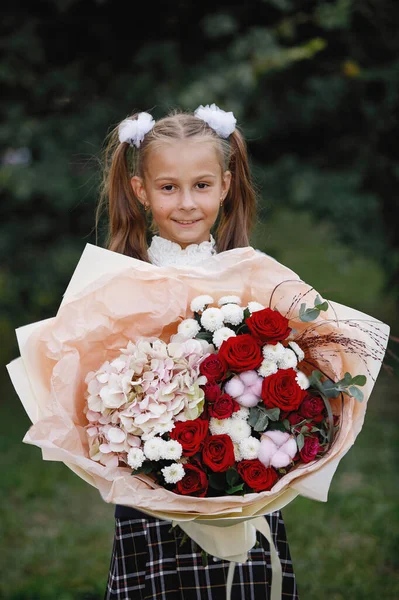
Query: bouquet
(207, 416)
(223, 408)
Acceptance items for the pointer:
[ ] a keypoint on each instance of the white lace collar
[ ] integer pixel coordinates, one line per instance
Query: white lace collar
(165, 253)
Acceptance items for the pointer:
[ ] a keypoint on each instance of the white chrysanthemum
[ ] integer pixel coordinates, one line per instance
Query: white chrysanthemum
(221, 335)
(237, 453)
(188, 328)
(224, 123)
(153, 448)
(232, 313)
(218, 426)
(255, 306)
(135, 458)
(212, 319)
(267, 367)
(173, 473)
(171, 450)
(229, 300)
(288, 361)
(273, 351)
(199, 302)
(238, 429)
(243, 413)
(134, 130)
(298, 351)
(249, 448)
(302, 380)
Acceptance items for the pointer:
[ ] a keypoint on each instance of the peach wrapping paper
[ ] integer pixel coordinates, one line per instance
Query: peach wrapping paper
(112, 298)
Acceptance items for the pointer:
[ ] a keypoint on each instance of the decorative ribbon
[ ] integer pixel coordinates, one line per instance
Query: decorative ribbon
(232, 543)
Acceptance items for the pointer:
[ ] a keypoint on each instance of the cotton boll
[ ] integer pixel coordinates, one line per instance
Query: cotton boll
(247, 399)
(256, 388)
(234, 387)
(278, 437)
(266, 450)
(280, 459)
(289, 447)
(249, 377)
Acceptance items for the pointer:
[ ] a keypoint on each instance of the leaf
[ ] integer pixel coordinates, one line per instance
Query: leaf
(145, 469)
(236, 488)
(310, 315)
(356, 393)
(217, 481)
(262, 422)
(317, 300)
(300, 441)
(232, 477)
(246, 313)
(287, 424)
(331, 389)
(253, 415)
(204, 335)
(273, 413)
(359, 380)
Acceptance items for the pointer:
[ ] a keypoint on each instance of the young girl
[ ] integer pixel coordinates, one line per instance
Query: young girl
(181, 178)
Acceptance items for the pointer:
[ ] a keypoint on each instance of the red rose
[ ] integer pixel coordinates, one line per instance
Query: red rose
(194, 482)
(213, 368)
(256, 475)
(310, 448)
(190, 434)
(282, 391)
(268, 325)
(218, 452)
(311, 406)
(223, 408)
(212, 391)
(294, 418)
(241, 353)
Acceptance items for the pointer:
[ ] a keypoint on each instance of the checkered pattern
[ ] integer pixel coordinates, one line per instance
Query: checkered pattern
(150, 562)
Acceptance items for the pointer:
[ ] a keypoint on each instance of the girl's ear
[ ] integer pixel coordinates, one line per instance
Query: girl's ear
(226, 182)
(138, 188)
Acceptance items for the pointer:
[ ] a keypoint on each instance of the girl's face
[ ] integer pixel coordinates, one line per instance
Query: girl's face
(183, 185)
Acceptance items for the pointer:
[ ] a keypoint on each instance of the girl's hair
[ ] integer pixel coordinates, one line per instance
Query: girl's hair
(127, 220)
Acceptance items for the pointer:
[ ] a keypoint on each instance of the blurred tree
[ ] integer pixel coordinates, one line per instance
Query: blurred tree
(314, 82)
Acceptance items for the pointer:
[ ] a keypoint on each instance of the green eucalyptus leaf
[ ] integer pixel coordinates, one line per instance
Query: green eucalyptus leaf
(236, 488)
(262, 422)
(273, 413)
(300, 441)
(204, 335)
(359, 380)
(356, 393)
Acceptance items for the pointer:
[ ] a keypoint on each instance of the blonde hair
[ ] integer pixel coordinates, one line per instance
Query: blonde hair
(127, 220)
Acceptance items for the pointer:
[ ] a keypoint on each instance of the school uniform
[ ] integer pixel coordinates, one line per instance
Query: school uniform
(149, 560)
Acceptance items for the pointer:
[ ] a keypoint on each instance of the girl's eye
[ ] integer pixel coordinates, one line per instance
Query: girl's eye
(168, 188)
(202, 186)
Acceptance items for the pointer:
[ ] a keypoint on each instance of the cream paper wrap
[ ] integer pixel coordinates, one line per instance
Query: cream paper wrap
(113, 298)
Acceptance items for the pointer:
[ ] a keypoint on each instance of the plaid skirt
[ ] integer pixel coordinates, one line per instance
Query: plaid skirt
(150, 559)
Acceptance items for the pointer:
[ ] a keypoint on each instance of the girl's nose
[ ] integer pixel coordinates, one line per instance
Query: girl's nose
(187, 199)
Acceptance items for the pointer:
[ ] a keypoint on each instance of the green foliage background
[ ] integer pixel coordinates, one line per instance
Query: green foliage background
(315, 88)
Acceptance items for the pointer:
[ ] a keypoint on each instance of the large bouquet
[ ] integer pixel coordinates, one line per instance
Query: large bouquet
(224, 389)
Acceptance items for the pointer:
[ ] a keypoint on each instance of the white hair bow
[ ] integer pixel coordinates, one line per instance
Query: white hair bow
(224, 123)
(134, 130)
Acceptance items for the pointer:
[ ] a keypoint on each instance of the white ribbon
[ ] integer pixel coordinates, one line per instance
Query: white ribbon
(233, 543)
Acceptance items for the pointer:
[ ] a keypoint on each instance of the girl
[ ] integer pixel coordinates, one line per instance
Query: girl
(190, 173)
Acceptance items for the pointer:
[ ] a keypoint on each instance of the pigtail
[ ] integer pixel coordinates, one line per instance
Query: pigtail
(127, 224)
(239, 206)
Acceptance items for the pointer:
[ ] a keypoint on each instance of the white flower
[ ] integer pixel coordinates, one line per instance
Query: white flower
(273, 351)
(249, 448)
(298, 351)
(224, 123)
(116, 435)
(173, 473)
(221, 335)
(135, 458)
(218, 426)
(288, 361)
(188, 328)
(153, 448)
(171, 450)
(302, 380)
(199, 302)
(243, 413)
(134, 130)
(229, 300)
(267, 367)
(238, 429)
(254, 307)
(237, 453)
(212, 319)
(232, 313)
